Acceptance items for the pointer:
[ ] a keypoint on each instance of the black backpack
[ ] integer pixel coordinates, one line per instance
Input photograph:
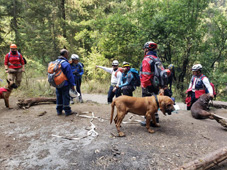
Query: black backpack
(160, 75)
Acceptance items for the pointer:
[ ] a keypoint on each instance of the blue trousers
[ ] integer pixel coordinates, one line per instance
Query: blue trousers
(63, 99)
(111, 94)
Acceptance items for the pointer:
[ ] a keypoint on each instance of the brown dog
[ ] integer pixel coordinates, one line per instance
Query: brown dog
(6, 91)
(146, 106)
(200, 107)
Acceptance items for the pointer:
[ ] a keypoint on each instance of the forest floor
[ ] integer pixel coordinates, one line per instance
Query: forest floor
(36, 138)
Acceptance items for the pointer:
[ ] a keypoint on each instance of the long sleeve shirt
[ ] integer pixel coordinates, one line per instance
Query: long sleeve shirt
(126, 79)
(115, 78)
(205, 82)
(66, 69)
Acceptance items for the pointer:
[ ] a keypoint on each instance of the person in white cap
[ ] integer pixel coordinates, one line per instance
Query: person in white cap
(116, 75)
(199, 85)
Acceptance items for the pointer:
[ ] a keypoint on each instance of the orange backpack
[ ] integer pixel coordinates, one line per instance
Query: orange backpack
(56, 77)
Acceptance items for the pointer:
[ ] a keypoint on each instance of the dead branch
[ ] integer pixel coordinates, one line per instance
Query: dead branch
(220, 119)
(208, 161)
(26, 103)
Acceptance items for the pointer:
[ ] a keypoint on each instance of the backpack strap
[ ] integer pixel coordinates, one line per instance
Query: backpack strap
(18, 56)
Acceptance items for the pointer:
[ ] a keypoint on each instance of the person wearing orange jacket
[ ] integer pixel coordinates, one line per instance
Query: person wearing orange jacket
(14, 65)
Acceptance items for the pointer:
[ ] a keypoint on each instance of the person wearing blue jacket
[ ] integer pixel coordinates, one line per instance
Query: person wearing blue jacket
(78, 71)
(62, 94)
(126, 80)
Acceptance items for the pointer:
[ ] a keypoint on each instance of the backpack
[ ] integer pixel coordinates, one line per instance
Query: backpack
(56, 77)
(160, 78)
(136, 79)
(119, 69)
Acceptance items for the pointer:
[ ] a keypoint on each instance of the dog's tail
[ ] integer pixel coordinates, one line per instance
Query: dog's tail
(112, 111)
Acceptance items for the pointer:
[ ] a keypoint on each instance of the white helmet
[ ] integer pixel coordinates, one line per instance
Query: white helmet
(197, 67)
(115, 63)
(75, 57)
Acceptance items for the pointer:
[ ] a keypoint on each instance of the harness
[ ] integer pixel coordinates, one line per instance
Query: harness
(14, 56)
(156, 99)
(2, 90)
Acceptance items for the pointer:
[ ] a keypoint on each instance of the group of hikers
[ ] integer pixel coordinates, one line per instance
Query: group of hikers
(152, 77)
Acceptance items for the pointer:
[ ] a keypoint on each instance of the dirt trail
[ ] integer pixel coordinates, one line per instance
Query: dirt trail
(30, 141)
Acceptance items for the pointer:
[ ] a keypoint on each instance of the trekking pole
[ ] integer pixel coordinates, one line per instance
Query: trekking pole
(26, 79)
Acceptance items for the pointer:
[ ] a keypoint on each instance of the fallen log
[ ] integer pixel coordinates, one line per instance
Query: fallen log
(220, 119)
(219, 104)
(207, 162)
(26, 103)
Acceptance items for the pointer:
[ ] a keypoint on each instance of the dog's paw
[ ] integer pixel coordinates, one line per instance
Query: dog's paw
(10, 108)
(150, 131)
(157, 125)
(121, 134)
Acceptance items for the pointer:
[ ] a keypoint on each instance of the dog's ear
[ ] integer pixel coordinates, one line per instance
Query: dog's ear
(163, 107)
(8, 81)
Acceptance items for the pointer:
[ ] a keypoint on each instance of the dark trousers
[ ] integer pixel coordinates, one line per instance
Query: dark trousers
(127, 90)
(78, 84)
(111, 94)
(193, 100)
(149, 91)
(63, 99)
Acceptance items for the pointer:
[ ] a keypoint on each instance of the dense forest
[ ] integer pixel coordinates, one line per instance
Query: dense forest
(186, 31)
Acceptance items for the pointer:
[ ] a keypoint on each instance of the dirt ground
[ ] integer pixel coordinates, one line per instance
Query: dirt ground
(32, 139)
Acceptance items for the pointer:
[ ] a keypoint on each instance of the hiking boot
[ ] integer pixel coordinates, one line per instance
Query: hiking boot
(71, 113)
(71, 101)
(80, 99)
(143, 123)
(59, 114)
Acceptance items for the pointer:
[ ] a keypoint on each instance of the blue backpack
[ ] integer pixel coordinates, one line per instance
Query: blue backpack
(136, 80)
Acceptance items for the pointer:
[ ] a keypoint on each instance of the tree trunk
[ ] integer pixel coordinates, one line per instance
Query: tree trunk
(63, 17)
(26, 103)
(14, 21)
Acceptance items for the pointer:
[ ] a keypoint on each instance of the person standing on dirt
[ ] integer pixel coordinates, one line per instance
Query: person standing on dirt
(78, 71)
(115, 80)
(126, 85)
(14, 65)
(199, 85)
(63, 97)
(172, 76)
(147, 73)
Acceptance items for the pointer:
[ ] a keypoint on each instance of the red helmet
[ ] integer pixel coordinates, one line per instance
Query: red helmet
(168, 72)
(150, 45)
(13, 46)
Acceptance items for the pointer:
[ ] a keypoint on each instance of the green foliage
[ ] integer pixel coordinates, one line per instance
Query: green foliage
(99, 31)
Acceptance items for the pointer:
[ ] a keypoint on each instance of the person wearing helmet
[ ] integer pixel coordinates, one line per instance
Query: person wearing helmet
(116, 75)
(167, 90)
(126, 85)
(147, 73)
(172, 76)
(78, 71)
(199, 85)
(14, 65)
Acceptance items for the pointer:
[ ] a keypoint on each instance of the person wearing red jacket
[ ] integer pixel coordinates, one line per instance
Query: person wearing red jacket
(147, 73)
(14, 65)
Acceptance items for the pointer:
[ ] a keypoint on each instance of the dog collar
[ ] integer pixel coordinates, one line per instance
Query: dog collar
(156, 99)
